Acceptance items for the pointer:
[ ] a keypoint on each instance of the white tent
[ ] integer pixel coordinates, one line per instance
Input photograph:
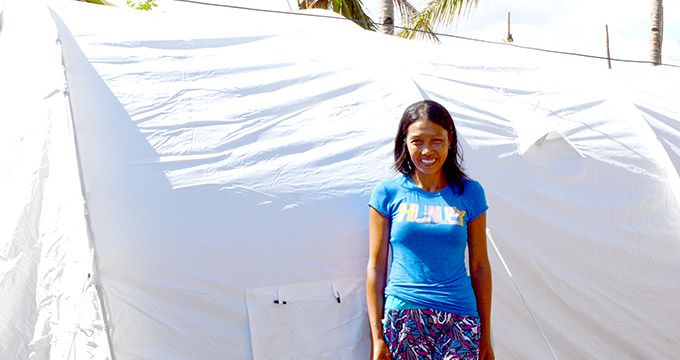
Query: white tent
(193, 184)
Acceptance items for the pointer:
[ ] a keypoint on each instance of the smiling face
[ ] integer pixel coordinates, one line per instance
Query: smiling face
(428, 146)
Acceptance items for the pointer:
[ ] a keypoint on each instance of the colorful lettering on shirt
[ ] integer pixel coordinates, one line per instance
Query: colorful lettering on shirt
(448, 215)
(408, 210)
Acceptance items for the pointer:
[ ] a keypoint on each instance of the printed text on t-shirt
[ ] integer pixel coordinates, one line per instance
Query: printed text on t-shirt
(429, 214)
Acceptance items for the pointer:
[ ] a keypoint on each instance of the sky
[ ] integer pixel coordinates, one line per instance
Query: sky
(562, 25)
(574, 25)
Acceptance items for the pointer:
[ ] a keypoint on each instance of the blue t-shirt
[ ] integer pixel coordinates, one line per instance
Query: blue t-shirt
(428, 237)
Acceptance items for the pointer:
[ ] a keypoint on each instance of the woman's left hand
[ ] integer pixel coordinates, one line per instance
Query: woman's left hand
(486, 351)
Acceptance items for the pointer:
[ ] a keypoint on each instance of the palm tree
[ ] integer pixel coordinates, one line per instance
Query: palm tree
(420, 24)
(351, 9)
(656, 37)
(386, 17)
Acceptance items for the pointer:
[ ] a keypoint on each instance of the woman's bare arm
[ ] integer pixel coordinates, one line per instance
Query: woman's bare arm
(376, 272)
(480, 273)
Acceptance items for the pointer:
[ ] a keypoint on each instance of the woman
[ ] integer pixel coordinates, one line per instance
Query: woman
(431, 308)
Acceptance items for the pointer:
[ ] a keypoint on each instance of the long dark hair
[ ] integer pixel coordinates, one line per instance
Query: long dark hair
(435, 112)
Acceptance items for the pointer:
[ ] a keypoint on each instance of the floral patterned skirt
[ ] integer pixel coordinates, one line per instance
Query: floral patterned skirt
(422, 334)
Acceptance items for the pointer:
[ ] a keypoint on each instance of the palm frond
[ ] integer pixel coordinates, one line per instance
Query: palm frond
(406, 9)
(436, 13)
(350, 9)
(310, 4)
(418, 28)
(354, 9)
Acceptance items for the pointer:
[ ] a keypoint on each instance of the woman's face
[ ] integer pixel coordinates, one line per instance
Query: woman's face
(428, 145)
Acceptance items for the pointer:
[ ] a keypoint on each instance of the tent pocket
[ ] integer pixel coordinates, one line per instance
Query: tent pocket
(312, 320)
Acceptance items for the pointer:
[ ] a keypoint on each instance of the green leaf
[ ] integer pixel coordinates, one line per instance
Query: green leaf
(350, 9)
(145, 5)
(436, 13)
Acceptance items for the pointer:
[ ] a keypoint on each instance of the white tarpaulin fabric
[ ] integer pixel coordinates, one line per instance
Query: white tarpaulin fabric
(45, 258)
(227, 156)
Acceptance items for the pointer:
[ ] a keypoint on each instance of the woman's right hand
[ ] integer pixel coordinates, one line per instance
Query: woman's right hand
(380, 351)
(379, 238)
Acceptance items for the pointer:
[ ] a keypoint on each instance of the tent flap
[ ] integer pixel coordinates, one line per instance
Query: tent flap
(332, 310)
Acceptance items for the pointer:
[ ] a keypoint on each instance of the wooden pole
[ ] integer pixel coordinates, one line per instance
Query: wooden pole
(609, 61)
(509, 39)
(656, 36)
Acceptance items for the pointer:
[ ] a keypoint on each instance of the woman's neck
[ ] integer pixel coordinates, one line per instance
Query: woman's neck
(429, 182)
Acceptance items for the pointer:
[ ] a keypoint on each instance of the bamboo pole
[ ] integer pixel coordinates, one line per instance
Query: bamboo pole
(509, 39)
(609, 61)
